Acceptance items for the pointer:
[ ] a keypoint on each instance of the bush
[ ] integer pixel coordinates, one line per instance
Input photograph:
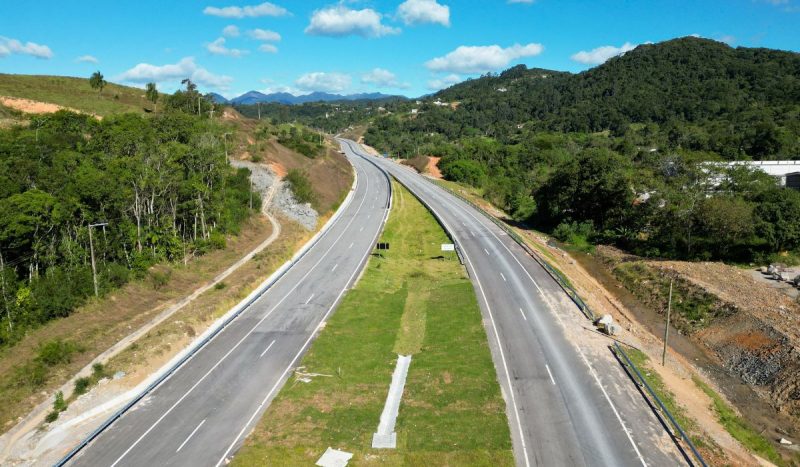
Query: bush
(160, 277)
(57, 352)
(220, 285)
(59, 405)
(32, 375)
(577, 235)
(82, 385)
(98, 371)
(301, 186)
(51, 417)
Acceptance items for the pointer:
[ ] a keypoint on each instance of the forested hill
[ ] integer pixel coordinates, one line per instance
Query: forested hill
(617, 153)
(705, 90)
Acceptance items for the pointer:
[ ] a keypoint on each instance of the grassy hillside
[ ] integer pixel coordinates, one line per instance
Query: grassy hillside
(75, 93)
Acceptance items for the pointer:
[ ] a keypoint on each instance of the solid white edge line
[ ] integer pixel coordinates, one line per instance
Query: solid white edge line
(583, 356)
(499, 347)
(308, 341)
(190, 436)
(139, 439)
(553, 380)
(267, 349)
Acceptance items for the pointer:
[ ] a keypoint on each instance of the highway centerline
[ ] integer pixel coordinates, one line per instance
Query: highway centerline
(267, 349)
(308, 341)
(189, 437)
(334, 267)
(523, 314)
(232, 349)
(309, 299)
(504, 277)
(454, 207)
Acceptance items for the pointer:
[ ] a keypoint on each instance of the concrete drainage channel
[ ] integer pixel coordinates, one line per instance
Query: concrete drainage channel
(385, 437)
(216, 328)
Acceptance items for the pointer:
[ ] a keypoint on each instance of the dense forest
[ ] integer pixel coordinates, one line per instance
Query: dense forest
(330, 117)
(620, 153)
(159, 183)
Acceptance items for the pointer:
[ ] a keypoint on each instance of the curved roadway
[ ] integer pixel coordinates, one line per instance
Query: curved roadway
(567, 403)
(200, 415)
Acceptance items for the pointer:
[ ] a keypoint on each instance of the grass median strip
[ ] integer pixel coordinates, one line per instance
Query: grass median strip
(411, 300)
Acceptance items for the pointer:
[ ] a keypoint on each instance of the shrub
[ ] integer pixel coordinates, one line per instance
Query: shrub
(98, 371)
(59, 405)
(301, 186)
(220, 285)
(160, 277)
(57, 352)
(82, 385)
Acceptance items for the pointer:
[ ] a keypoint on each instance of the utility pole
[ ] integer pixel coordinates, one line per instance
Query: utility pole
(666, 328)
(225, 143)
(91, 248)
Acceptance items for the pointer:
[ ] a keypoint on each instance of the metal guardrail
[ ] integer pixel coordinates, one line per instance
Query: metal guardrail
(662, 408)
(552, 271)
(584, 308)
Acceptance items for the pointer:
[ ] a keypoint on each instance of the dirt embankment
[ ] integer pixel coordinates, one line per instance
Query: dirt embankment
(428, 165)
(750, 329)
(34, 107)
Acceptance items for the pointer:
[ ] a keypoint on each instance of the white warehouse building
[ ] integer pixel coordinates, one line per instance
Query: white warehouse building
(788, 172)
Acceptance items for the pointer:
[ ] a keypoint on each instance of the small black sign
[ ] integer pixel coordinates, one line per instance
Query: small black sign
(383, 246)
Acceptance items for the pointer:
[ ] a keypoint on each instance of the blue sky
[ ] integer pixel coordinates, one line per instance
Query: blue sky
(407, 47)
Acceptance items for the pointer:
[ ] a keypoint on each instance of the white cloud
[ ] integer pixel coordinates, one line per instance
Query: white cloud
(728, 39)
(325, 82)
(340, 21)
(466, 59)
(601, 54)
(248, 11)
(383, 78)
(447, 81)
(218, 48)
(268, 48)
(424, 11)
(185, 68)
(231, 31)
(87, 59)
(13, 46)
(264, 35)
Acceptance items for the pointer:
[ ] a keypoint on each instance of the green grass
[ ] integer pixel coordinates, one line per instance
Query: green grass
(738, 427)
(409, 300)
(75, 93)
(707, 447)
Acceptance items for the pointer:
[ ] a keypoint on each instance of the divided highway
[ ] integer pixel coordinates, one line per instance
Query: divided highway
(200, 415)
(566, 405)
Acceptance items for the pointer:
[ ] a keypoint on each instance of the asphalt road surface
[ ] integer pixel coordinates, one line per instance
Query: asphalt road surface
(567, 406)
(200, 415)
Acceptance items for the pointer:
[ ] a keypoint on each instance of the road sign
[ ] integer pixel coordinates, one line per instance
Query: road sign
(448, 247)
(382, 246)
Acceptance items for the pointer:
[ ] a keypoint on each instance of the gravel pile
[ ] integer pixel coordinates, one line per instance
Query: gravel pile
(303, 214)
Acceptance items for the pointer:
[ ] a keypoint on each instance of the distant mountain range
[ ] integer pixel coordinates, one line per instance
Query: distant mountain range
(254, 97)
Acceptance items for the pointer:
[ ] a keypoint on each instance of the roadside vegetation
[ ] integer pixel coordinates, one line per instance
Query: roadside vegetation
(739, 428)
(707, 447)
(451, 413)
(619, 154)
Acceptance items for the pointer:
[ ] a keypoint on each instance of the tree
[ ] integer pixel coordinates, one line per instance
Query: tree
(152, 95)
(97, 81)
